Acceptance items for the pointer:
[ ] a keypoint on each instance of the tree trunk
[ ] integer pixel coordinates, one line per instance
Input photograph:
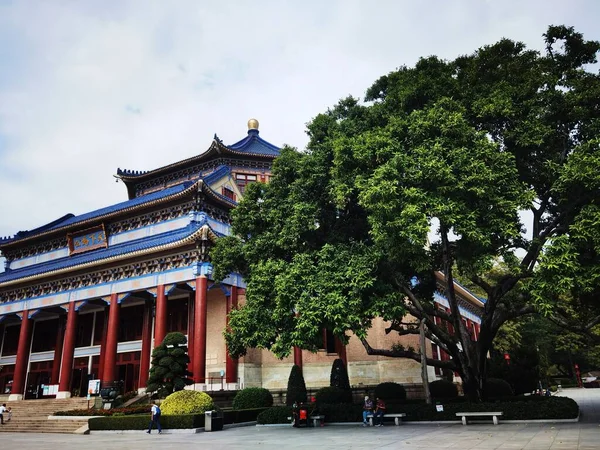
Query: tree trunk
(424, 363)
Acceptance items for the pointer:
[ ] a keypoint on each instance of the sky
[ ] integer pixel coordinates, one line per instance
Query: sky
(89, 86)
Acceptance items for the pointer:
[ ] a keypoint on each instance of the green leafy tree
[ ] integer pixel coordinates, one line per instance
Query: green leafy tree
(459, 147)
(296, 388)
(168, 372)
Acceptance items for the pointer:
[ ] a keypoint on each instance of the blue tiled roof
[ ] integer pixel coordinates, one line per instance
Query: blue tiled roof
(253, 143)
(114, 250)
(70, 219)
(217, 174)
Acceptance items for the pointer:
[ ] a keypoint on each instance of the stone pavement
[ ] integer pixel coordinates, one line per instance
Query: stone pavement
(588, 401)
(565, 436)
(561, 436)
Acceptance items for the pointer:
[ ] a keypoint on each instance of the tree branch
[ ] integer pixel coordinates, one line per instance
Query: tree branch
(407, 354)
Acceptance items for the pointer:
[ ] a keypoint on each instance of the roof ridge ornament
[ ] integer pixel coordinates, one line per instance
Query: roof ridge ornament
(253, 126)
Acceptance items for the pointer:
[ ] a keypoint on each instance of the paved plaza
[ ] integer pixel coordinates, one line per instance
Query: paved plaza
(561, 436)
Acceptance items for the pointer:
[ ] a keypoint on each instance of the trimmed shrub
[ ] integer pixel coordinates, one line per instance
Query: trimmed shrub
(296, 388)
(252, 397)
(519, 408)
(442, 389)
(169, 372)
(241, 415)
(275, 414)
(390, 392)
(141, 422)
(339, 375)
(497, 388)
(333, 395)
(186, 402)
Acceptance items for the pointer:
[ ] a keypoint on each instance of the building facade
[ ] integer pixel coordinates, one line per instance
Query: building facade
(87, 297)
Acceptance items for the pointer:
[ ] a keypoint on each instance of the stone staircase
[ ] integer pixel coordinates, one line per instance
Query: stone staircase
(31, 416)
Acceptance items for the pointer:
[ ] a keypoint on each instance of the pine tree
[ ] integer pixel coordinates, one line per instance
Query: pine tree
(169, 366)
(296, 388)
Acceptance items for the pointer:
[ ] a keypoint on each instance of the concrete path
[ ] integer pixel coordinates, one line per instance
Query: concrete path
(566, 436)
(588, 401)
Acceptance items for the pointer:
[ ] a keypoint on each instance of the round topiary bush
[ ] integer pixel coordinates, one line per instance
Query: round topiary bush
(252, 397)
(186, 402)
(333, 395)
(390, 392)
(443, 389)
(497, 388)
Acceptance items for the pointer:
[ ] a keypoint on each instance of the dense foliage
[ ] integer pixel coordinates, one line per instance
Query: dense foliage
(170, 360)
(390, 391)
(458, 148)
(442, 389)
(497, 388)
(275, 414)
(252, 397)
(186, 402)
(296, 388)
(332, 394)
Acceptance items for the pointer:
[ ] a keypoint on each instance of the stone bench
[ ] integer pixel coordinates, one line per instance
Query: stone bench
(317, 420)
(464, 415)
(397, 417)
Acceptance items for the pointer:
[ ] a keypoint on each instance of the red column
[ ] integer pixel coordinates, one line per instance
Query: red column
(231, 364)
(341, 350)
(146, 344)
(103, 344)
(112, 338)
(68, 348)
(22, 356)
(191, 330)
(160, 321)
(200, 313)
(58, 347)
(298, 356)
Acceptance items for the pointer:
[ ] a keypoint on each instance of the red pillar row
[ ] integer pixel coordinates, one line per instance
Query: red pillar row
(68, 351)
(231, 364)
(200, 316)
(160, 321)
(112, 337)
(22, 355)
(103, 344)
(146, 345)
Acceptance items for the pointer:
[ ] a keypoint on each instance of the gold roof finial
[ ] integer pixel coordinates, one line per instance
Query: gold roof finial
(253, 124)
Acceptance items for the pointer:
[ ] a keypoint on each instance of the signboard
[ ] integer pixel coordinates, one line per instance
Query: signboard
(86, 240)
(93, 387)
(439, 408)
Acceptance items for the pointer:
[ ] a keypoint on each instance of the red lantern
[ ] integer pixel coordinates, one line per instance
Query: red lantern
(507, 358)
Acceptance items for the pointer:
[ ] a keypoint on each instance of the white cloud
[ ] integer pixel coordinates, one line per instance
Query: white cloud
(87, 87)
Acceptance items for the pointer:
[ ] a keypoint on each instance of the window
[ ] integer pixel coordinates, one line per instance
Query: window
(227, 192)
(243, 179)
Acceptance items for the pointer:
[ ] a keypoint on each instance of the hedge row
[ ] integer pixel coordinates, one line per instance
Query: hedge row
(140, 422)
(520, 408)
(106, 412)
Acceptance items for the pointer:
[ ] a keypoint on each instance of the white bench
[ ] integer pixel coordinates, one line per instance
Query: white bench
(464, 415)
(397, 417)
(317, 420)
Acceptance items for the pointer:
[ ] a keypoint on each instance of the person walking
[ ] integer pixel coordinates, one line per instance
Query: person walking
(379, 412)
(2, 411)
(154, 418)
(367, 409)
